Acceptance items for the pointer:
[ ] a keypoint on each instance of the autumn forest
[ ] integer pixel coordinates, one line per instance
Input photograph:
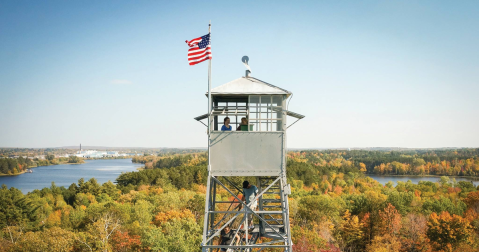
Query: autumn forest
(334, 205)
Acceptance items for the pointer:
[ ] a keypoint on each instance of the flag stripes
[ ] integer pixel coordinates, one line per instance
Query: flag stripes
(200, 50)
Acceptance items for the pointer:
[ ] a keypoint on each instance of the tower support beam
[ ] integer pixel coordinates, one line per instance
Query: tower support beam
(277, 233)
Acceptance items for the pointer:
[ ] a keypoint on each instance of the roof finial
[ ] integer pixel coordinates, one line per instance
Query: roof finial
(245, 60)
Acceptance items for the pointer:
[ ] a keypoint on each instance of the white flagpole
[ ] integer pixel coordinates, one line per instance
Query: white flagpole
(209, 101)
(208, 183)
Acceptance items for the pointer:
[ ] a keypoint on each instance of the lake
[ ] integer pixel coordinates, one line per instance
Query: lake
(110, 169)
(415, 179)
(66, 174)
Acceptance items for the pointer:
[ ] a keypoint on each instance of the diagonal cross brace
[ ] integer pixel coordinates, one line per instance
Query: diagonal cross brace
(257, 197)
(237, 230)
(246, 207)
(228, 222)
(266, 189)
(219, 230)
(233, 184)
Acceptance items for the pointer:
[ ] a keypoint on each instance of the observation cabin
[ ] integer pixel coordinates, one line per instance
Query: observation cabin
(252, 148)
(256, 149)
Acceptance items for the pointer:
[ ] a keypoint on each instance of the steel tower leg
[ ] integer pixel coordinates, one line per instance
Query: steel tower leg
(285, 204)
(207, 210)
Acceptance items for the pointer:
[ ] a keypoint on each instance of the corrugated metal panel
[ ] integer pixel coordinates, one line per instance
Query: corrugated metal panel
(248, 86)
(246, 153)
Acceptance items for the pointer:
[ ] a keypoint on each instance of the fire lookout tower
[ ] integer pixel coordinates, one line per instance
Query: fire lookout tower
(255, 151)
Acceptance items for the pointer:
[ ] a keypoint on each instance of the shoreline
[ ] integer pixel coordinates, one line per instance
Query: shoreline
(16, 174)
(83, 162)
(33, 167)
(421, 176)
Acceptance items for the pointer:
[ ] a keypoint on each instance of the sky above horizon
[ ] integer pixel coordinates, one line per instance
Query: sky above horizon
(115, 73)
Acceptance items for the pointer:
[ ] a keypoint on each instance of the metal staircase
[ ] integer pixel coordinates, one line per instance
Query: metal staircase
(271, 222)
(272, 200)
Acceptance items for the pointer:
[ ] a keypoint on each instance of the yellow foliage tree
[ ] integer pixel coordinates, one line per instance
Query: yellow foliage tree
(54, 219)
(386, 243)
(351, 229)
(163, 217)
(362, 167)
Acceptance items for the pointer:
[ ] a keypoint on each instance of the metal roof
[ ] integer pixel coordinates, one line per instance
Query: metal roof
(290, 113)
(248, 86)
(201, 117)
(293, 114)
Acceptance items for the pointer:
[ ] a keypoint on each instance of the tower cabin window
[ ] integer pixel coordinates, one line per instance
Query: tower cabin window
(233, 107)
(263, 112)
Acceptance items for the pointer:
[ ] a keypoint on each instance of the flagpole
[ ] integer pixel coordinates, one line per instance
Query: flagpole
(209, 101)
(208, 183)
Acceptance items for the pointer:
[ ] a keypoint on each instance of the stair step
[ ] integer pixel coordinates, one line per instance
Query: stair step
(271, 231)
(279, 230)
(271, 201)
(276, 226)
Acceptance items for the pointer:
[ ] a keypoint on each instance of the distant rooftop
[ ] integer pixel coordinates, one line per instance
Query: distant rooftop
(248, 86)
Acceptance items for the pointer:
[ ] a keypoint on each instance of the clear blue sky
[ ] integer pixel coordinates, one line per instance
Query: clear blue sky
(115, 73)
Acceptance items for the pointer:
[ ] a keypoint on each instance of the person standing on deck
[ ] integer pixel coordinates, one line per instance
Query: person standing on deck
(249, 193)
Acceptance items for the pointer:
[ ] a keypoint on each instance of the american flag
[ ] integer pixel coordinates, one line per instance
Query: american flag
(200, 49)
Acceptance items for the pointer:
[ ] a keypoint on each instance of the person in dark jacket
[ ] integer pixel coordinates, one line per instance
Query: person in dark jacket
(227, 237)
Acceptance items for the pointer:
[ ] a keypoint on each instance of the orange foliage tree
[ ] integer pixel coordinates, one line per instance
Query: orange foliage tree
(305, 239)
(123, 242)
(447, 232)
(389, 220)
(472, 200)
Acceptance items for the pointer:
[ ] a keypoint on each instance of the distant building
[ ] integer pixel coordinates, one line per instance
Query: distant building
(97, 154)
(91, 154)
(112, 153)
